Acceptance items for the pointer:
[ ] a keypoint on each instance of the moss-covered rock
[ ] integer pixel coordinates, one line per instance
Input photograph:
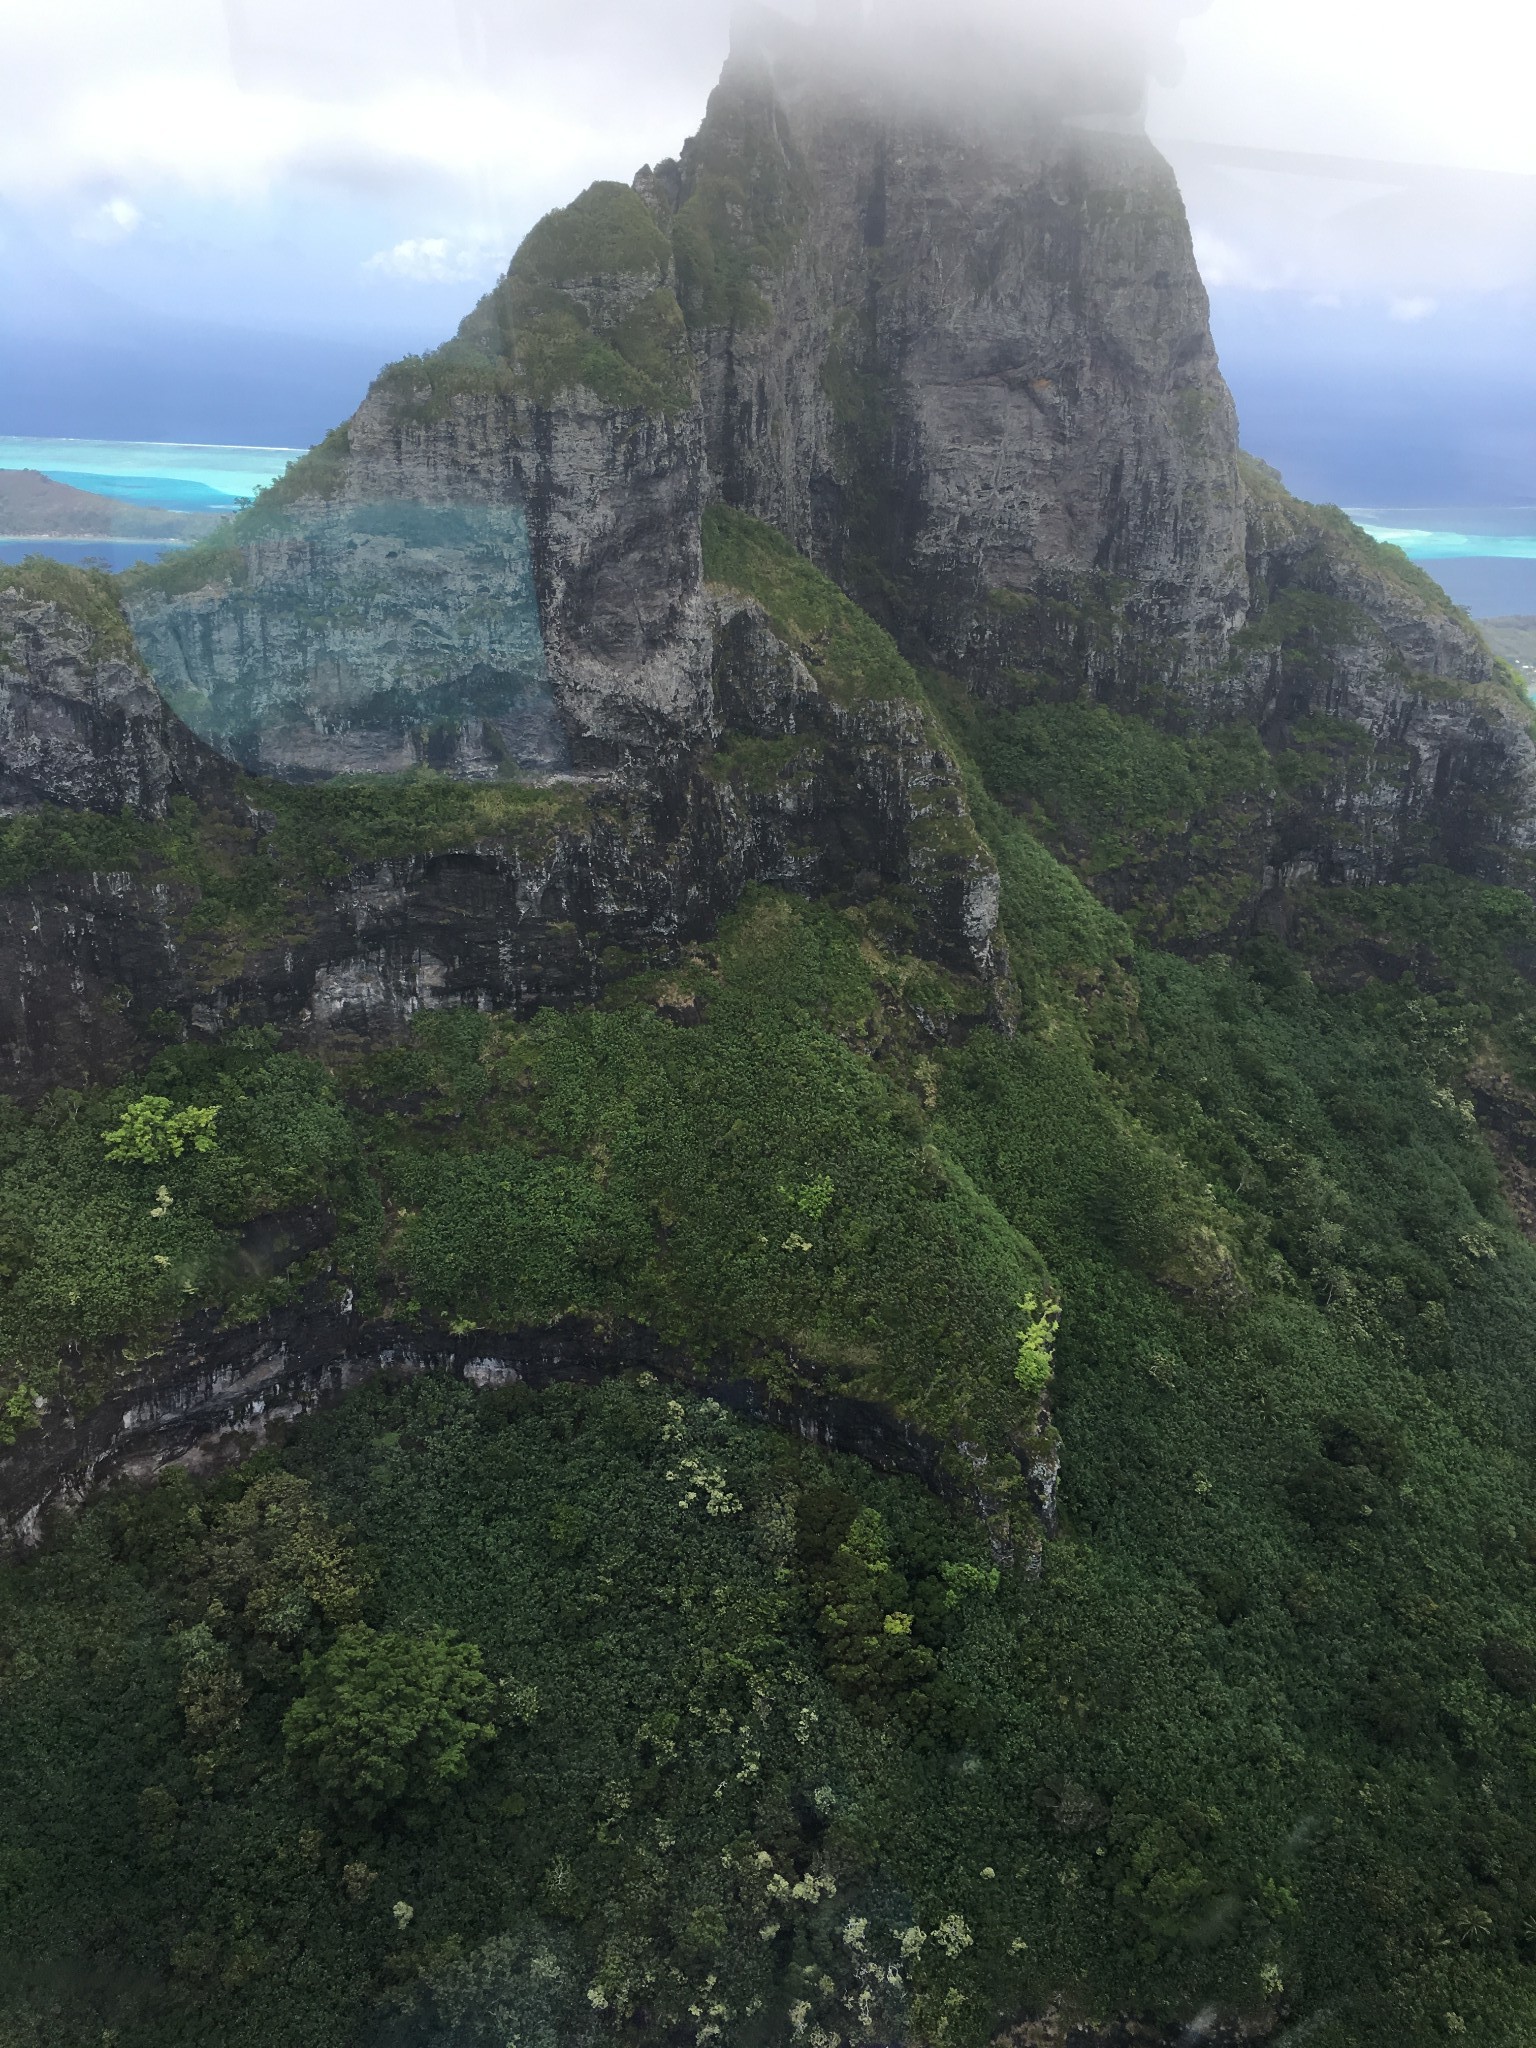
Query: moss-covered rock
(586, 304)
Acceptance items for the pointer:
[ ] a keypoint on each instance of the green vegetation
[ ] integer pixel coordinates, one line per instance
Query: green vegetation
(695, 1749)
(1037, 1344)
(608, 232)
(321, 829)
(640, 361)
(385, 1720)
(1173, 830)
(1291, 1377)
(317, 474)
(716, 1158)
(243, 875)
(745, 208)
(52, 841)
(851, 657)
(599, 1714)
(549, 328)
(118, 1217)
(221, 557)
(531, 337)
(152, 1130)
(86, 594)
(1327, 523)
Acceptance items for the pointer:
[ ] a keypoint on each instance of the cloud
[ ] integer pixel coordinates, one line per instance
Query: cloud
(1355, 231)
(113, 221)
(448, 121)
(1412, 309)
(1225, 264)
(1401, 156)
(434, 259)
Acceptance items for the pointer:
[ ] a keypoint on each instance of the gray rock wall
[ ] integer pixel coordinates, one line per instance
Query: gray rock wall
(857, 798)
(82, 726)
(984, 382)
(366, 637)
(215, 1394)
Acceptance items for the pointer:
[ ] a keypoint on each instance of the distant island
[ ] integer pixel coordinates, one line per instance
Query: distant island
(35, 507)
(1515, 640)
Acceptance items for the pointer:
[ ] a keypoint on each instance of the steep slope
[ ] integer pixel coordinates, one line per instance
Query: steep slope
(81, 724)
(854, 1363)
(496, 560)
(1253, 1740)
(962, 361)
(335, 913)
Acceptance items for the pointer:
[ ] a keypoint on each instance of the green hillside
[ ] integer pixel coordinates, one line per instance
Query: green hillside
(603, 1713)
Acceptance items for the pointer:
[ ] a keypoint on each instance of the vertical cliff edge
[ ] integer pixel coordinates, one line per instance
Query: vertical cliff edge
(959, 357)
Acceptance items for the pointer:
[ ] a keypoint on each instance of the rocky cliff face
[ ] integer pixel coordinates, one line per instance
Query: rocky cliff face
(367, 637)
(800, 790)
(219, 1392)
(965, 363)
(495, 561)
(961, 360)
(1433, 751)
(81, 723)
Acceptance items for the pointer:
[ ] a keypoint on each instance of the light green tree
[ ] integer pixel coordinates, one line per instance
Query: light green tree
(1037, 1343)
(152, 1130)
(388, 1719)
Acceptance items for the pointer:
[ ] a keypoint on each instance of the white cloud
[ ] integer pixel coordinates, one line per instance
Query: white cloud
(1226, 264)
(434, 259)
(113, 221)
(1403, 80)
(1412, 157)
(1412, 309)
(448, 118)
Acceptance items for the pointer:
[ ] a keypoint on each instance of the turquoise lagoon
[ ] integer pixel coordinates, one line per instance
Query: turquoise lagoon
(1484, 555)
(179, 476)
(1454, 533)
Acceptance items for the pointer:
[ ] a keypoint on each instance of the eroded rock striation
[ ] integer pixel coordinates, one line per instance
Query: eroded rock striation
(801, 790)
(1432, 754)
(364, 637)
(772, 522)
(497, 559)
(964, 361)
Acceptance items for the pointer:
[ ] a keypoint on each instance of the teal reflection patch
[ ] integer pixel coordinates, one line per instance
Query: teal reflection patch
(365, 639)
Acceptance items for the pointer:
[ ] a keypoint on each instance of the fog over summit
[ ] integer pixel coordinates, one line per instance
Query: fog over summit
(1097, 57)
(340, 178)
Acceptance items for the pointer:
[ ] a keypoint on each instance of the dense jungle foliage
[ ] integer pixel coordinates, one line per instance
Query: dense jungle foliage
(477, 1716)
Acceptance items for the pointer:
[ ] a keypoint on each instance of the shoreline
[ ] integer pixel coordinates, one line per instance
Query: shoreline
(129, 540)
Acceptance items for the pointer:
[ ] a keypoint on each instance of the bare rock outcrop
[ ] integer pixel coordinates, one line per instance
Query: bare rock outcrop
(81, 722)
(792, 788)
(963, 360)
(1432, 751)
(495, 561)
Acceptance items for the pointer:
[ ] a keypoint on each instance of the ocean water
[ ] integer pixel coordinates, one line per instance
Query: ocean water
(103, 554)
(180, 476)
(1454, 533)
(1484, 556)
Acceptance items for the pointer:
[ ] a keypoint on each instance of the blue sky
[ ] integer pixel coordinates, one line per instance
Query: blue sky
(217, 217)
